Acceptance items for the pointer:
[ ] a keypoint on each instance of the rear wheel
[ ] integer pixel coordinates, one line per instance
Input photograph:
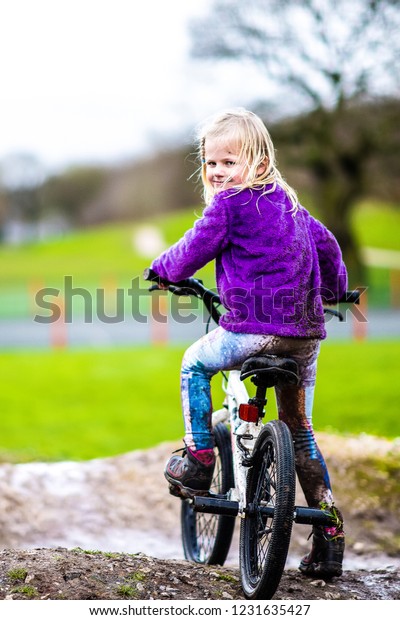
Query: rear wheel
(207, 537)
(266, 529)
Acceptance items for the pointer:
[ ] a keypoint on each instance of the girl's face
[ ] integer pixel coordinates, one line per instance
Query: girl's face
(223, 168)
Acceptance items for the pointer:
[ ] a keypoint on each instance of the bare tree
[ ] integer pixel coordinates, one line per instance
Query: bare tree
(327, 58)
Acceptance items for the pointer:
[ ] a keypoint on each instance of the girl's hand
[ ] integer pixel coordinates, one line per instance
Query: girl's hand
(150, 274)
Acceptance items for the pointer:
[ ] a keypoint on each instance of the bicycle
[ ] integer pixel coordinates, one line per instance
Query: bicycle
(254, 476)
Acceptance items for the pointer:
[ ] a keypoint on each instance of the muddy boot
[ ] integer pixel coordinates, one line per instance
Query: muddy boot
(326, 556)
(190, 474)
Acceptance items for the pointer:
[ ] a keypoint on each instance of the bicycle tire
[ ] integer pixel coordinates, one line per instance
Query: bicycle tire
(207, 538)
(264, 540)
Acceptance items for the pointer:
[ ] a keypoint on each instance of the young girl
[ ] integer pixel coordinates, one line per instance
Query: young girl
(275, 265)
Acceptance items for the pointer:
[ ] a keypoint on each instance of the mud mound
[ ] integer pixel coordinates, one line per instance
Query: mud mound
(122, 506)
(79, 575)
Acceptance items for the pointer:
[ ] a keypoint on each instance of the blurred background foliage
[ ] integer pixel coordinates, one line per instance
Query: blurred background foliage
(334, 117)
(83, 197)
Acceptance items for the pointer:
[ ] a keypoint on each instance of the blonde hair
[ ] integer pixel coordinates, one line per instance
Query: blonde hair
(256, 149)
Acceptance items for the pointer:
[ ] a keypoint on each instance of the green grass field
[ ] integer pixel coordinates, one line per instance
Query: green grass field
(83, 404)
(103, 257)
(91, 256)
(376, 224)
(98, 255)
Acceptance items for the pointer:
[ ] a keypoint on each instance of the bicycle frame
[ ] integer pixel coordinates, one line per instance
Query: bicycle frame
(243, 434)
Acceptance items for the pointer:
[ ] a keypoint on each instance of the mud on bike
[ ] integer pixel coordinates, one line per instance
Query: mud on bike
(254, 477)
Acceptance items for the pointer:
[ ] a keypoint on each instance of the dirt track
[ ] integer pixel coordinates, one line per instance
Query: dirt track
(122, 506)
(68, 575)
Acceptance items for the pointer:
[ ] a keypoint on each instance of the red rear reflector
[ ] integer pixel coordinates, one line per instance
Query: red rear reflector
(248, 413)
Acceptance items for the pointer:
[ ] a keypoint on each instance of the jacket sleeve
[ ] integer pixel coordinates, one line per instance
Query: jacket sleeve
(197, 247)
(334, 280)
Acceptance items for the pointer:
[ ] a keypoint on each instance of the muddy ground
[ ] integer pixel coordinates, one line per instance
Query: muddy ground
(76, 574)
(108, 529)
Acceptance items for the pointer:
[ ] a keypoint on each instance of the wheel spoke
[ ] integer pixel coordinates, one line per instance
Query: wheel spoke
(207, 537)
(206, 524)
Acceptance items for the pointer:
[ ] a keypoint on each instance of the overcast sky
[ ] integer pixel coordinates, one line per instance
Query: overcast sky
(103, 80)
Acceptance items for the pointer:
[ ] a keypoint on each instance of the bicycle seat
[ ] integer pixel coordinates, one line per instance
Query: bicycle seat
(270, 370)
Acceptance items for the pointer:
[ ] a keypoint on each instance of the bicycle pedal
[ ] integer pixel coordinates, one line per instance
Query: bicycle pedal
(186, 493)
(175, 491)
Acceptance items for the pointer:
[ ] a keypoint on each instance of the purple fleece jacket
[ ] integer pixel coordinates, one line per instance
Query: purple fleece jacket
(273, 269)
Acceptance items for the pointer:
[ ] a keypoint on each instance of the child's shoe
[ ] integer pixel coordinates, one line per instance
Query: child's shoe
(326, 556)
(192, 473)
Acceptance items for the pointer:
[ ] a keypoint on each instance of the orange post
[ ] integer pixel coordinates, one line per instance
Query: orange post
(360, 314)
(34, 287)
(110, 294)
(58, 327)
(159, 319)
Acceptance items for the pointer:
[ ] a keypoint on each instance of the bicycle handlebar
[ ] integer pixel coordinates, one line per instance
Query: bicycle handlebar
(189, 286)
(195, 287)
(350, 297)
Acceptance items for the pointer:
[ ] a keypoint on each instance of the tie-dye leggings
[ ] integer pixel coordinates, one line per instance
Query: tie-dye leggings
(223, 350)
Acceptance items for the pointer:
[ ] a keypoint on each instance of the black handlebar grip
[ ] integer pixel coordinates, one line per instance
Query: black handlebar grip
(350, 297)
(150, 274)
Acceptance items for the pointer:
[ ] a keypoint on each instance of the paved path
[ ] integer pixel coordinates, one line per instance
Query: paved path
(25, 333)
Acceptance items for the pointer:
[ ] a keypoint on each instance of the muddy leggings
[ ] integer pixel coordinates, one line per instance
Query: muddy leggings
(223, 350)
